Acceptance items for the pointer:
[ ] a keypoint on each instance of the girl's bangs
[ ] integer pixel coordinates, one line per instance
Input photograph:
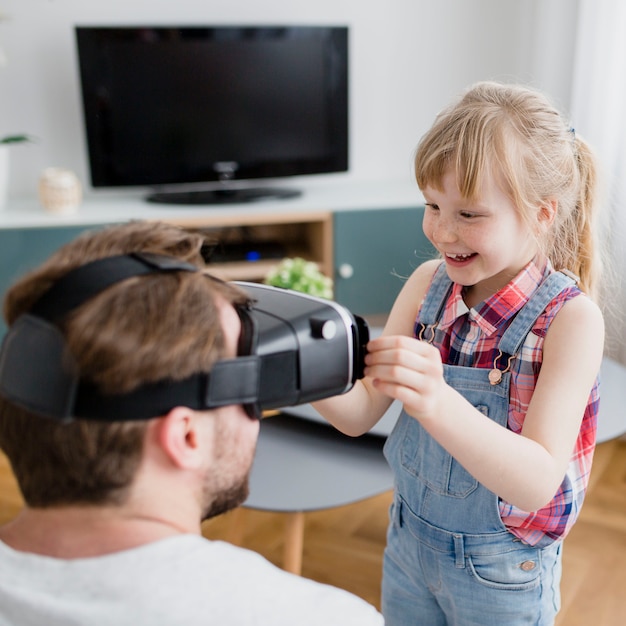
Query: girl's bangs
(466, 157)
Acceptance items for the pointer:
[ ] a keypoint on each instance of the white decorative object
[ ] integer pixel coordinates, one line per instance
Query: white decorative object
(4, 175)
(60, 191)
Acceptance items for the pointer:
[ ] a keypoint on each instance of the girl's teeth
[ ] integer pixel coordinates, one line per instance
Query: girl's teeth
(459, 257)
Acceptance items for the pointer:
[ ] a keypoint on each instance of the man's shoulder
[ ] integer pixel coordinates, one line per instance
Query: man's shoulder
(281, 597)
(182, 579)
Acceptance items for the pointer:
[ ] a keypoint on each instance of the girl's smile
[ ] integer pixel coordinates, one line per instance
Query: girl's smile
(459, 259)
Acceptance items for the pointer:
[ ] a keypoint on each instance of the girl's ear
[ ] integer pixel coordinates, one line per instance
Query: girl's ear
(546, 213)
(179, 434)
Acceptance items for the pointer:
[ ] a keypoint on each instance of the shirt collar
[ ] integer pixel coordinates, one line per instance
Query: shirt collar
(502, 305)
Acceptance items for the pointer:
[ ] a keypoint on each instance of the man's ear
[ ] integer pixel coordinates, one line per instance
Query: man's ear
(179, 434)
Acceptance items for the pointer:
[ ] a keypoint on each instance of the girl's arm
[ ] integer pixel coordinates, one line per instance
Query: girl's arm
(357, 411)
(525, 470)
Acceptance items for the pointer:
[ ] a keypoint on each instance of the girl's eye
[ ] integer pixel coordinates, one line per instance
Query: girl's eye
(467, 215)
(432, 207)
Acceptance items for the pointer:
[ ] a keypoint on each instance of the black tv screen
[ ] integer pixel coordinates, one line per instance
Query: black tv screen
(180, 106)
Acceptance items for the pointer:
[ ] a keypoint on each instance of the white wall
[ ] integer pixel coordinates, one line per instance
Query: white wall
(408, 58)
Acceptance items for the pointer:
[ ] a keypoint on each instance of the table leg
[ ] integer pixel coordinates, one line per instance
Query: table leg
(294, 538)
(237, 526)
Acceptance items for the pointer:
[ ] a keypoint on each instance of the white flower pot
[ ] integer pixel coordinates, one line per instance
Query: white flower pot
(4, 175)
(59, 190)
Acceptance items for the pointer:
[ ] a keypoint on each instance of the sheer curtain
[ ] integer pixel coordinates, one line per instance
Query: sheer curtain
(598, 108)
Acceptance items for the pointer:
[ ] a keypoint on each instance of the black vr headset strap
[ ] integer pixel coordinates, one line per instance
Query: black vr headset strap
(34, 342)
(85, 282)
(37, 372)
(27, 379)
(232, 381)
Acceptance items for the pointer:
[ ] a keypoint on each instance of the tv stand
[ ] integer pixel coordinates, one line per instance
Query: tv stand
(223, 195)
(364, 234)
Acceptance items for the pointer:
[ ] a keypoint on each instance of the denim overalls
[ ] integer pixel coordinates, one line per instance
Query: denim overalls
(449, 558)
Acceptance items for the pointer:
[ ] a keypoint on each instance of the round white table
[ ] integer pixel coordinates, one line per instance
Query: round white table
(303, 465)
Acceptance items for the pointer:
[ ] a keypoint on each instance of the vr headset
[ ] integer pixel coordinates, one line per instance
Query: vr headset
(293, 349)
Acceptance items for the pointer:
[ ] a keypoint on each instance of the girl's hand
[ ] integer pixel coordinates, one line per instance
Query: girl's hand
(409, 371)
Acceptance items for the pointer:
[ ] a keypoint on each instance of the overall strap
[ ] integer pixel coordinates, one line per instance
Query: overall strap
(436, 297)
(524, 321)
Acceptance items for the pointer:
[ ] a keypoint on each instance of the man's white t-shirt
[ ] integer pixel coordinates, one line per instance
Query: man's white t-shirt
(184, 580)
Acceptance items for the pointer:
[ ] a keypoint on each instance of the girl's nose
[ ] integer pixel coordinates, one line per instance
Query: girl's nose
(444, 231)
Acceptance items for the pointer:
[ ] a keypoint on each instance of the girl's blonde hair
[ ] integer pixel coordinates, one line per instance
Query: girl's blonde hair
(515, 132)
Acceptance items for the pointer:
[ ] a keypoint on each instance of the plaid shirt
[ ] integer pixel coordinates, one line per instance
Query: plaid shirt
(470, 338)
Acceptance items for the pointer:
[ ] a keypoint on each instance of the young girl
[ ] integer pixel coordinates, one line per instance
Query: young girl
(494, 352)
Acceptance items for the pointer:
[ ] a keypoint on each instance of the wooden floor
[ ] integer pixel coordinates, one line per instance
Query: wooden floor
(344, 546)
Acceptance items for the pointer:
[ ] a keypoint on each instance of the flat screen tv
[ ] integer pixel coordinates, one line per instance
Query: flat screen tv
(198, 114)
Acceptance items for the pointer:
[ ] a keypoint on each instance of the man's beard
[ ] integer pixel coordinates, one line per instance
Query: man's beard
(226, 484)
(225, 500)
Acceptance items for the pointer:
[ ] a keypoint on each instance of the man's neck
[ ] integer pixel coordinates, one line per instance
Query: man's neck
(83, 532)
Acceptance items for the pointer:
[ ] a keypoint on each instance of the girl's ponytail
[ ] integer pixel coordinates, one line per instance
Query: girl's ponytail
(587, 208)
(578, 246)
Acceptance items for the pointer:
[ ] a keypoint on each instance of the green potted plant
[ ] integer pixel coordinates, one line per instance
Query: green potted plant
(5, 142)
(300, 275)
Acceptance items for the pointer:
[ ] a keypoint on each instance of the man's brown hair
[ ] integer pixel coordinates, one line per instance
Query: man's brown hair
(141, 330)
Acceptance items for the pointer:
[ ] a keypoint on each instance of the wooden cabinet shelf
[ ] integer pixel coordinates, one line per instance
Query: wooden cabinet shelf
(308, 235)
(364, 235)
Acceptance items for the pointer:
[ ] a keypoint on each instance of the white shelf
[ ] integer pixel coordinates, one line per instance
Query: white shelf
(110, 207)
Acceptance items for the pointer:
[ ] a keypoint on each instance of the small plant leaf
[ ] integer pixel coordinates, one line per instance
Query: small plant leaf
(14, 139)
(300, 275)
